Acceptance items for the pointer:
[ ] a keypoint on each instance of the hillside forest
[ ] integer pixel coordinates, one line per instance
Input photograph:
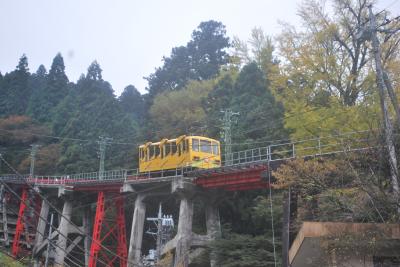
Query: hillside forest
(311, 81)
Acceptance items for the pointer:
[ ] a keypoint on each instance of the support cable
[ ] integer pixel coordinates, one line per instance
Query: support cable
(272, 213)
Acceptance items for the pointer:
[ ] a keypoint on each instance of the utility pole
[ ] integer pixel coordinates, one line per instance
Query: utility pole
(159, 232)
(370, 33)
(103, 143)
(33, 158)
(165, 226)
(227, 133)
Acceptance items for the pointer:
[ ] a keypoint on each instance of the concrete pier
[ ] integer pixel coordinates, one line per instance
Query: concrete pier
(184, 234)
(135, 242)
(213, 227)
(63, 229)
(41, 229)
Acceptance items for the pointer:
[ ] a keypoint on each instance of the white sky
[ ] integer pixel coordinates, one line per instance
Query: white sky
(128, 38)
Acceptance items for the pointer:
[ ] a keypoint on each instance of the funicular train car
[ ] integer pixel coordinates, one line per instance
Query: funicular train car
(167, 154)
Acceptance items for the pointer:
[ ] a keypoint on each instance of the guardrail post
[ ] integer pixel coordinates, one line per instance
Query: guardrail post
(293, 151)
(319, 146)
(269, 156)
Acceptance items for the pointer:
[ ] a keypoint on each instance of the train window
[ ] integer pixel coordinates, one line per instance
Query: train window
(205, 146)
(179, 149)
(141, 153)
(187, 144)
(162, 151)
(215, 148)
(173, 147)
(147, 154)
(157, 151)
(151, 150)
(167, 148)
(195, 144)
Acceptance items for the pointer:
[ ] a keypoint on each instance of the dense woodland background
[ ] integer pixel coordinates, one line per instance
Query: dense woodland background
(316, 80)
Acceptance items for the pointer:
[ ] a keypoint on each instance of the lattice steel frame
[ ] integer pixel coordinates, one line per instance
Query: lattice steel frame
(103, 231)
(28, 201)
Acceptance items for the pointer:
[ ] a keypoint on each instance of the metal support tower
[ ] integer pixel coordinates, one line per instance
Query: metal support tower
(105, 233)
(227, 120)
(103, 144)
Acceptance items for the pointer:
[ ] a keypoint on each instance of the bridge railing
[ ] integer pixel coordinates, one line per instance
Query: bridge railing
(304, 148)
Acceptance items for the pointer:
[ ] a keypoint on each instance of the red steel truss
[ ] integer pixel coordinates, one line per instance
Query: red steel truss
(20, 223)
(107, 234)
(26, 222)
(234, 179)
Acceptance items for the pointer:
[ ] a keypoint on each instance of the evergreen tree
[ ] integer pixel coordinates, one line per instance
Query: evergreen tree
(89, 111)
(207, 49)
(261, 116)
(94, 72)
(41, 71)
(37, 102)
(57, 81)
(200, 59)
(219, 99)
(48, 90)
(132, 102)
(15, 90)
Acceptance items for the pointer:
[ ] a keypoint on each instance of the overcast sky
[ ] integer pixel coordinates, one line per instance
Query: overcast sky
(128, 38)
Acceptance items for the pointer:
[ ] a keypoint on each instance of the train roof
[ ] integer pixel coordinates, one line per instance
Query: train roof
(172, 140)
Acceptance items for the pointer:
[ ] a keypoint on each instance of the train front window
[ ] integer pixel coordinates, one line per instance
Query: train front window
(167, 148)
(195, 144)
(205, 146)
(156, 151)
(173, 147)
(215, 148)
(151, 149)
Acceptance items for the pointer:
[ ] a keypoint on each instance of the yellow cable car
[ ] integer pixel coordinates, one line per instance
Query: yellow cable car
(195, 151)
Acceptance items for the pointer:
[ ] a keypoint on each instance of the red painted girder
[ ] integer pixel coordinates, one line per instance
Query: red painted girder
(231, 178)
(242, 187)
